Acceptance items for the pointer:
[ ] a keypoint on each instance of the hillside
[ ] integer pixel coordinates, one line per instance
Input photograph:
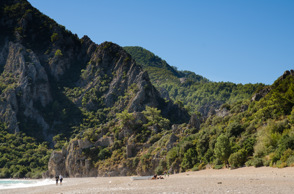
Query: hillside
(258, 131)
(195, 92)
(70, 106)
(55, 85)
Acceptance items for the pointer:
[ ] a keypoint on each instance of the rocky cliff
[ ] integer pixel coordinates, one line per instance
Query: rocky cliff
(42, 63)
(55, 85)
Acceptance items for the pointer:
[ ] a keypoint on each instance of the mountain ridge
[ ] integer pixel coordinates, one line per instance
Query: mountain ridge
(103, 116)
(60, 56)
(193, 91)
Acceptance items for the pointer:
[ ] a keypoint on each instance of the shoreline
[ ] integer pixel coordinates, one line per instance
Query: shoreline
(241, 180)
(23, 183)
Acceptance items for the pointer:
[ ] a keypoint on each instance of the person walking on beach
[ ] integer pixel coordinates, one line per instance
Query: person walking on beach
(60, 178)
(57, 178)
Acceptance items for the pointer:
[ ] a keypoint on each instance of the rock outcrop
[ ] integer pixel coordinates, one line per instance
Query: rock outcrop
(195, 122)
(30, 86)
(260, 94)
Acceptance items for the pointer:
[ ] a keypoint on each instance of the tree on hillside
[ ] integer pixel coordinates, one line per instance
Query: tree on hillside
(222, 148)
(154, 117)
(126, 119)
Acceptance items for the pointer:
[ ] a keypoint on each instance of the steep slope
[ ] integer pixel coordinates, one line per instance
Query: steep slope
(103, 116)
(42, 63)
(36, 55)
(195, 92)
(255, 132)
(148, 59)
(54, 86)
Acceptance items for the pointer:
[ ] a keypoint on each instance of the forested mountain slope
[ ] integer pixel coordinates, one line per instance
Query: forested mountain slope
(54, 85)
(70, 106)
(195, 92)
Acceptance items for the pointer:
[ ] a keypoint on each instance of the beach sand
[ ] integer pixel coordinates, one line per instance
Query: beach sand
(243, 180)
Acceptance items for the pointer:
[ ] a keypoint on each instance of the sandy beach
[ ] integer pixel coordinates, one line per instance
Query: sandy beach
(242, 180)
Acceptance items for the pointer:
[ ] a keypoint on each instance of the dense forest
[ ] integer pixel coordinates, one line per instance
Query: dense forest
(193, 91)
(70, 106)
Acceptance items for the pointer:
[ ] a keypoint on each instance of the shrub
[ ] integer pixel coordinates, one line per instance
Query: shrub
(154, 138)
(218, 166)
(238, 159)
(54, 37)
(286, 155)
(4, 173)
(290, 161)
(195, 168)
(201, 166)
(190, 158)
(234, 129)
(136, 161)
(257, 162)
(282, 164)
(172, 155)
(58, 53)
(159, 170)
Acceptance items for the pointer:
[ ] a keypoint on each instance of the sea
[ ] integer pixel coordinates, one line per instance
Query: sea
(17, 183)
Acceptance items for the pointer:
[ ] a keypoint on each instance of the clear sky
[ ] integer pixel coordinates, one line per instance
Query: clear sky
(241, 41)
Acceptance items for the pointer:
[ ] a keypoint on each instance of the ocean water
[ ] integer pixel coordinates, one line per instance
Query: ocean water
(12, 183)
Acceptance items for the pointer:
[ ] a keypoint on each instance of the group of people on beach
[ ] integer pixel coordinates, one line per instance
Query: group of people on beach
(59, 178)
(160, 177)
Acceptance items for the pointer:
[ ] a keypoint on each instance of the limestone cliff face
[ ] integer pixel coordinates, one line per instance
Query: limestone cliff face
(72, 162)
(122, 74)
(29, 86)
(50, 81)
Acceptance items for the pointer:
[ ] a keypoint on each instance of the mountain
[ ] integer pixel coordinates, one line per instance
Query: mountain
(195, 92)
(257, 131)
(55, 85)
(47, 71)
(70, 106)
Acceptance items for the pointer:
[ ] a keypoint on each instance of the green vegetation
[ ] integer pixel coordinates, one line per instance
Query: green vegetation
(222, 148)
(54, 37)
(196, 93)
(154, 117)
(252, 133)
(58, 53)
(243, 137)
(22, 156)
(261, 135)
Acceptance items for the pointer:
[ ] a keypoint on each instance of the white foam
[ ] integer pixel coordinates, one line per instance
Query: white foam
(12, 183)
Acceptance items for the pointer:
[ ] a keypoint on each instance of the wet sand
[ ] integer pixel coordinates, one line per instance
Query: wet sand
(243, 180)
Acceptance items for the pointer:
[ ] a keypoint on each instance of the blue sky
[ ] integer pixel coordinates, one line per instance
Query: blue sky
(241, 41)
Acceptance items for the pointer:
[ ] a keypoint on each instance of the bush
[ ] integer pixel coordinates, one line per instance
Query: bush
(58, 53)
(201, 166)
(195, 168)
(172, 155)
(290, 161)
(154, 138)
(218, 166)
(286, 155)
(159, 170)
(190, 158)
(54, 37)
(282, 164)
(257, 162)
(4, 173)
(234, 129)
(238, 159)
